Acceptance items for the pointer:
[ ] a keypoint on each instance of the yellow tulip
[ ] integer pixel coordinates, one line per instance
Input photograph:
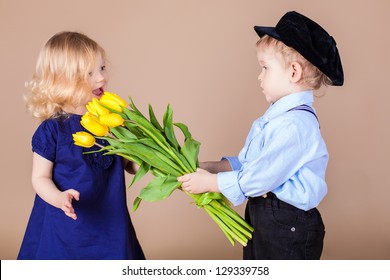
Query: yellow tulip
(116, 97)
(83, 139)
(91, 108)
(111, 120)
(98, 108)
(93, 125)
(113, 101)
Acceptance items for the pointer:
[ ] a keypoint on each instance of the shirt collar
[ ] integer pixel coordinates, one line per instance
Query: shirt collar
(288, 102)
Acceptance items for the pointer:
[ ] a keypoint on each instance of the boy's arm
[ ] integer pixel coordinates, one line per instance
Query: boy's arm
(216, 166)
(205, 179)
(46, 189)
(200, 181)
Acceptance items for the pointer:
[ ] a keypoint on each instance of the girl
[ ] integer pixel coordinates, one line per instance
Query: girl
(80, 210)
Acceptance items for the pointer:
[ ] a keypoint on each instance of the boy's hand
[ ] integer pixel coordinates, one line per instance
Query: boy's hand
(200, 181)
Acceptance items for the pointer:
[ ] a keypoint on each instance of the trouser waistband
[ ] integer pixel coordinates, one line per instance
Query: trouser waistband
(272, 199)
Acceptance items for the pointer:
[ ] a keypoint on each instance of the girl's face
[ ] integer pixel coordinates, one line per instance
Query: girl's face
(274, 77)
(98, 78)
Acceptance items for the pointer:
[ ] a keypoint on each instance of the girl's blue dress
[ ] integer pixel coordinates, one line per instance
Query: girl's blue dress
(103, 229)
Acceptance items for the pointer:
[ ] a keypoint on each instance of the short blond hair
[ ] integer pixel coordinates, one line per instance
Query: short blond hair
(61, 75)
(312, 77)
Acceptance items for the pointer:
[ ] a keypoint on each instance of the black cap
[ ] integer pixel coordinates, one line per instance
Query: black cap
(310, 40)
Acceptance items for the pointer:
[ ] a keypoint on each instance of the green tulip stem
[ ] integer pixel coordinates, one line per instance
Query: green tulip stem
(165, 148)
(228, 225)
(237, 228)
(232, 214)
(221, 225)
(99, 145)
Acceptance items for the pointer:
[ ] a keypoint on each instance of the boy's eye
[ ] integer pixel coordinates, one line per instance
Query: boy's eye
(263, 68)
(90, 74)
(103, 68)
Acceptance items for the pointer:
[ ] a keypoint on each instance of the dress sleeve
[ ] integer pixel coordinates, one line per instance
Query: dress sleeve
(44, 140)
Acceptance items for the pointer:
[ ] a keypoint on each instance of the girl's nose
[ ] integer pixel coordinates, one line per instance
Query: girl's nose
(100, 77)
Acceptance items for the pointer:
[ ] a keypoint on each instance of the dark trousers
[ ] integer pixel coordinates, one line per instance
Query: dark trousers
(282, 231)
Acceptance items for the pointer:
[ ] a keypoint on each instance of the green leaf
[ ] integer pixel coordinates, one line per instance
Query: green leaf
(147, 128)
(143, 169)
(184, 162)
(114, 143)
(136, 203)
(168, 128)
(157, 172)
(134, 129)
(154, 120)
(159, 188)
(165, 156)
(190, 151)
(122, 133)
(138, 112)
(131, 158)
(150, 143)
(208, 197)
(184, 129)
(153, 158)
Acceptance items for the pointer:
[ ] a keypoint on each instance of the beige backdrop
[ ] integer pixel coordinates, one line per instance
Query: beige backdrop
(199, 56)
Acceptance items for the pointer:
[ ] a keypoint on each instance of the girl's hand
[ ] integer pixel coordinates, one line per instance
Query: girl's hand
(44, 186)
(130, 166)
(65, 202)
(200, 181)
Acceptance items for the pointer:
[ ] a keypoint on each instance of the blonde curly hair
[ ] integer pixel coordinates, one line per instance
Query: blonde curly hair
(313, 78)
(61, 75)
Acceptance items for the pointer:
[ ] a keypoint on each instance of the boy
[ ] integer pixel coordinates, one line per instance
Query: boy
(281, 168)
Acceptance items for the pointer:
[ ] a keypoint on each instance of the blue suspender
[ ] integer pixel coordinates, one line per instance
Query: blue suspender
(304, 108)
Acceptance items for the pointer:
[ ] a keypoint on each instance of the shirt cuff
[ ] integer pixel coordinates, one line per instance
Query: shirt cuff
(228, 186)
(234, 162)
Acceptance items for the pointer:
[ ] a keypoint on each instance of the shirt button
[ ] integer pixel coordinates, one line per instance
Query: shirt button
(293, 229)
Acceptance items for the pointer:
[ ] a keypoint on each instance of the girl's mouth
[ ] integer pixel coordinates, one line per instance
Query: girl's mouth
(98, 92)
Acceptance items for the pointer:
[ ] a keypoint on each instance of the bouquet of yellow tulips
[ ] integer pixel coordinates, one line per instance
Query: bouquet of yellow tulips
(155, 148)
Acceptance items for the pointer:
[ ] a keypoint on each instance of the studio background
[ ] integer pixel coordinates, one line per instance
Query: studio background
(200, 57)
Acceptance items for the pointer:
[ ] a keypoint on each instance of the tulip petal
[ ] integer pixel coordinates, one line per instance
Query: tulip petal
(93, 125)
(111, 120)
(83, 139)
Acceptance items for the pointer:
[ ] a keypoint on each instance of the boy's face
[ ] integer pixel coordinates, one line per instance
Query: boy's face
(274, 77)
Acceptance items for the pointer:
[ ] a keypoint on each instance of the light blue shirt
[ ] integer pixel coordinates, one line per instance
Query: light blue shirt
(284, 153)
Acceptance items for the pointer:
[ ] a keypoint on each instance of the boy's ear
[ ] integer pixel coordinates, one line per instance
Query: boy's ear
(296, 72)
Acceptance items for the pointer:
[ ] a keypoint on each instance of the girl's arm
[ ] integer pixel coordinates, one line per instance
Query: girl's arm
(46, 189)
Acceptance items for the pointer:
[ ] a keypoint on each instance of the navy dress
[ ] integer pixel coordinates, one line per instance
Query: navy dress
(103, 229)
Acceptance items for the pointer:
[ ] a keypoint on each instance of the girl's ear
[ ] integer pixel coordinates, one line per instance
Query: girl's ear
(295, 72)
